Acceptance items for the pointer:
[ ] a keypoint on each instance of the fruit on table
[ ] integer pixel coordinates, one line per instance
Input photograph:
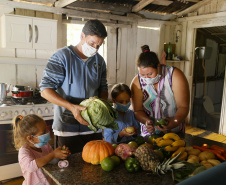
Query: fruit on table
(139, 140)
(179, 150)
(133, 143)
(148, 144)
(95, 151)
(151, 138)
(164, 142)
(159, 154)
(116, 160)
(114, 146)
(157, 140)
(179, 143)
(170, 148)
(149, 161)
(183, 156)
(132, 164)
(130, 129)
(173, 136)
(107, 164)
(125, 150)
(147, 157)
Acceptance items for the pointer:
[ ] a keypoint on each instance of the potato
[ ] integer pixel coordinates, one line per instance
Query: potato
(203, 162)
(194, 152)
(193, 159)
(207, 165)
(205, 155)
(188, 148)
(214, 162)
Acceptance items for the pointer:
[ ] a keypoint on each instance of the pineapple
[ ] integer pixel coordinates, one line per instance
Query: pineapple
(149, 161)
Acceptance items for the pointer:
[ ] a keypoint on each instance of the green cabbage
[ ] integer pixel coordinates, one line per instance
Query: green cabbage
(99, 114)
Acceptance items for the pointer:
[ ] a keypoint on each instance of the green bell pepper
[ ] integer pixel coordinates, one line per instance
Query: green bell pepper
(132, 164)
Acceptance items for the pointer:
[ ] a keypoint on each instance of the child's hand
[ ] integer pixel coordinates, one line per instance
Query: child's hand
(61, 152)
(124, 133)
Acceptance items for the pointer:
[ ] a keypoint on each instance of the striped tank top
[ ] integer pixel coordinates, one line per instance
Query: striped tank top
(159, 104)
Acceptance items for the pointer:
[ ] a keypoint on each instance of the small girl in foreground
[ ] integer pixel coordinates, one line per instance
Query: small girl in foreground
(121, 95)
(31, 139)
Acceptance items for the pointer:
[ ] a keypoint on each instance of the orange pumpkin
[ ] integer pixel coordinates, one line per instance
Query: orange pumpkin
(95, 151)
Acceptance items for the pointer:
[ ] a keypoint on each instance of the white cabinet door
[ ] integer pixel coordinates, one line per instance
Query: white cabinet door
(28, 32)
(44, 34)
(17, 32)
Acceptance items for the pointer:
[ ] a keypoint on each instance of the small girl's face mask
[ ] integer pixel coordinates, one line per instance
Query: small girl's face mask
(122, 102)
(44, 139)
(122, 107)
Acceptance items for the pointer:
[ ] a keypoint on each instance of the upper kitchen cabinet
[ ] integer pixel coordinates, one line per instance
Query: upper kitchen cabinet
(28, 32)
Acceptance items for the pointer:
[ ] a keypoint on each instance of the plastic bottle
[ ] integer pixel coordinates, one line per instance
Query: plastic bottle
(169, 52)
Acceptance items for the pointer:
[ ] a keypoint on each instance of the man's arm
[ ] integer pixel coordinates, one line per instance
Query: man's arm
(52, 96)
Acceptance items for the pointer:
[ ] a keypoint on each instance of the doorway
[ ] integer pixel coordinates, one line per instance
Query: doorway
(208, 77)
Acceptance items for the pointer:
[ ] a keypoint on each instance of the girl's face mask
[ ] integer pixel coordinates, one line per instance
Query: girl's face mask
(44, 139)
(88, 50)
(122, 107)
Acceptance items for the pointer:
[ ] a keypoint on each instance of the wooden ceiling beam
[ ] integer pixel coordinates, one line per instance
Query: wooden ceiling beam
(162, 2)
(100, 6)
(139, 6)
(63, 3)
(193, 8)
(37, 1)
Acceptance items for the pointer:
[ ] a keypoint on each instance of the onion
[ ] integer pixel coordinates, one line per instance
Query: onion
(63, 164)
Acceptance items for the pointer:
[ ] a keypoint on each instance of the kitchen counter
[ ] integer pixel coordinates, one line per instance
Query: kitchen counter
(80, 172)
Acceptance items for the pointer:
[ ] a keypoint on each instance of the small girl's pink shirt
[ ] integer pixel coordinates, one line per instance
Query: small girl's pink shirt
(31, 173)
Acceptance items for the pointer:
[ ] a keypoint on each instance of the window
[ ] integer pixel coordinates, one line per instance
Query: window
(73, 37)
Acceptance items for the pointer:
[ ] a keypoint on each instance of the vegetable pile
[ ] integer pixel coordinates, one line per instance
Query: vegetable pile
(99, 114)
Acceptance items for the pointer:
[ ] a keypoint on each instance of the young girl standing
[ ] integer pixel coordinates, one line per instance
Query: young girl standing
(31, 139)
(121, 95)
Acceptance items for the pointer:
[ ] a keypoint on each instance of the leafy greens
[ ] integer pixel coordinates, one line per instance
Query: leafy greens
(99, 114)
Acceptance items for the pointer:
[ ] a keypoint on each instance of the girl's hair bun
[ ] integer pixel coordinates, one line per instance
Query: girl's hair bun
(145, 48)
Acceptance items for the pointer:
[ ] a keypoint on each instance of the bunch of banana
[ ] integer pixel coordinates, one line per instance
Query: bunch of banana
(183, 153)
(170, 141)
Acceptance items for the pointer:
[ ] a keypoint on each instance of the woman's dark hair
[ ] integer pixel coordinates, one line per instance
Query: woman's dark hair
(95, 27)
(117, 89)
(147, 58)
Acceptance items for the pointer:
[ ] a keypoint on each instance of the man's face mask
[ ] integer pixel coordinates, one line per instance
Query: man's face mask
(88, 50)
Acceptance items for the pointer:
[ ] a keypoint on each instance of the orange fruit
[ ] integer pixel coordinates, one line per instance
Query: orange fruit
(133, 143)
(114, 146)
(107, 164)
(116, 160)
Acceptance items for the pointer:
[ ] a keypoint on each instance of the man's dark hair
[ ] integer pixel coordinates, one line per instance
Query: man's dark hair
(95, 27)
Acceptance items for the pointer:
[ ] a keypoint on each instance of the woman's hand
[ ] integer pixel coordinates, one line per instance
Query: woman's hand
(150, 126)
(61, 152)
(172, 123)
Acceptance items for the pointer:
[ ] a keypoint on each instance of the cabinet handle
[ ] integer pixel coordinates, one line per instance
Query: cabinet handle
(36, 31)
(31, 33)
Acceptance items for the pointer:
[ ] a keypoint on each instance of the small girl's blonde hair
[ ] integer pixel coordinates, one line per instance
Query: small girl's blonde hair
(23, 127)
